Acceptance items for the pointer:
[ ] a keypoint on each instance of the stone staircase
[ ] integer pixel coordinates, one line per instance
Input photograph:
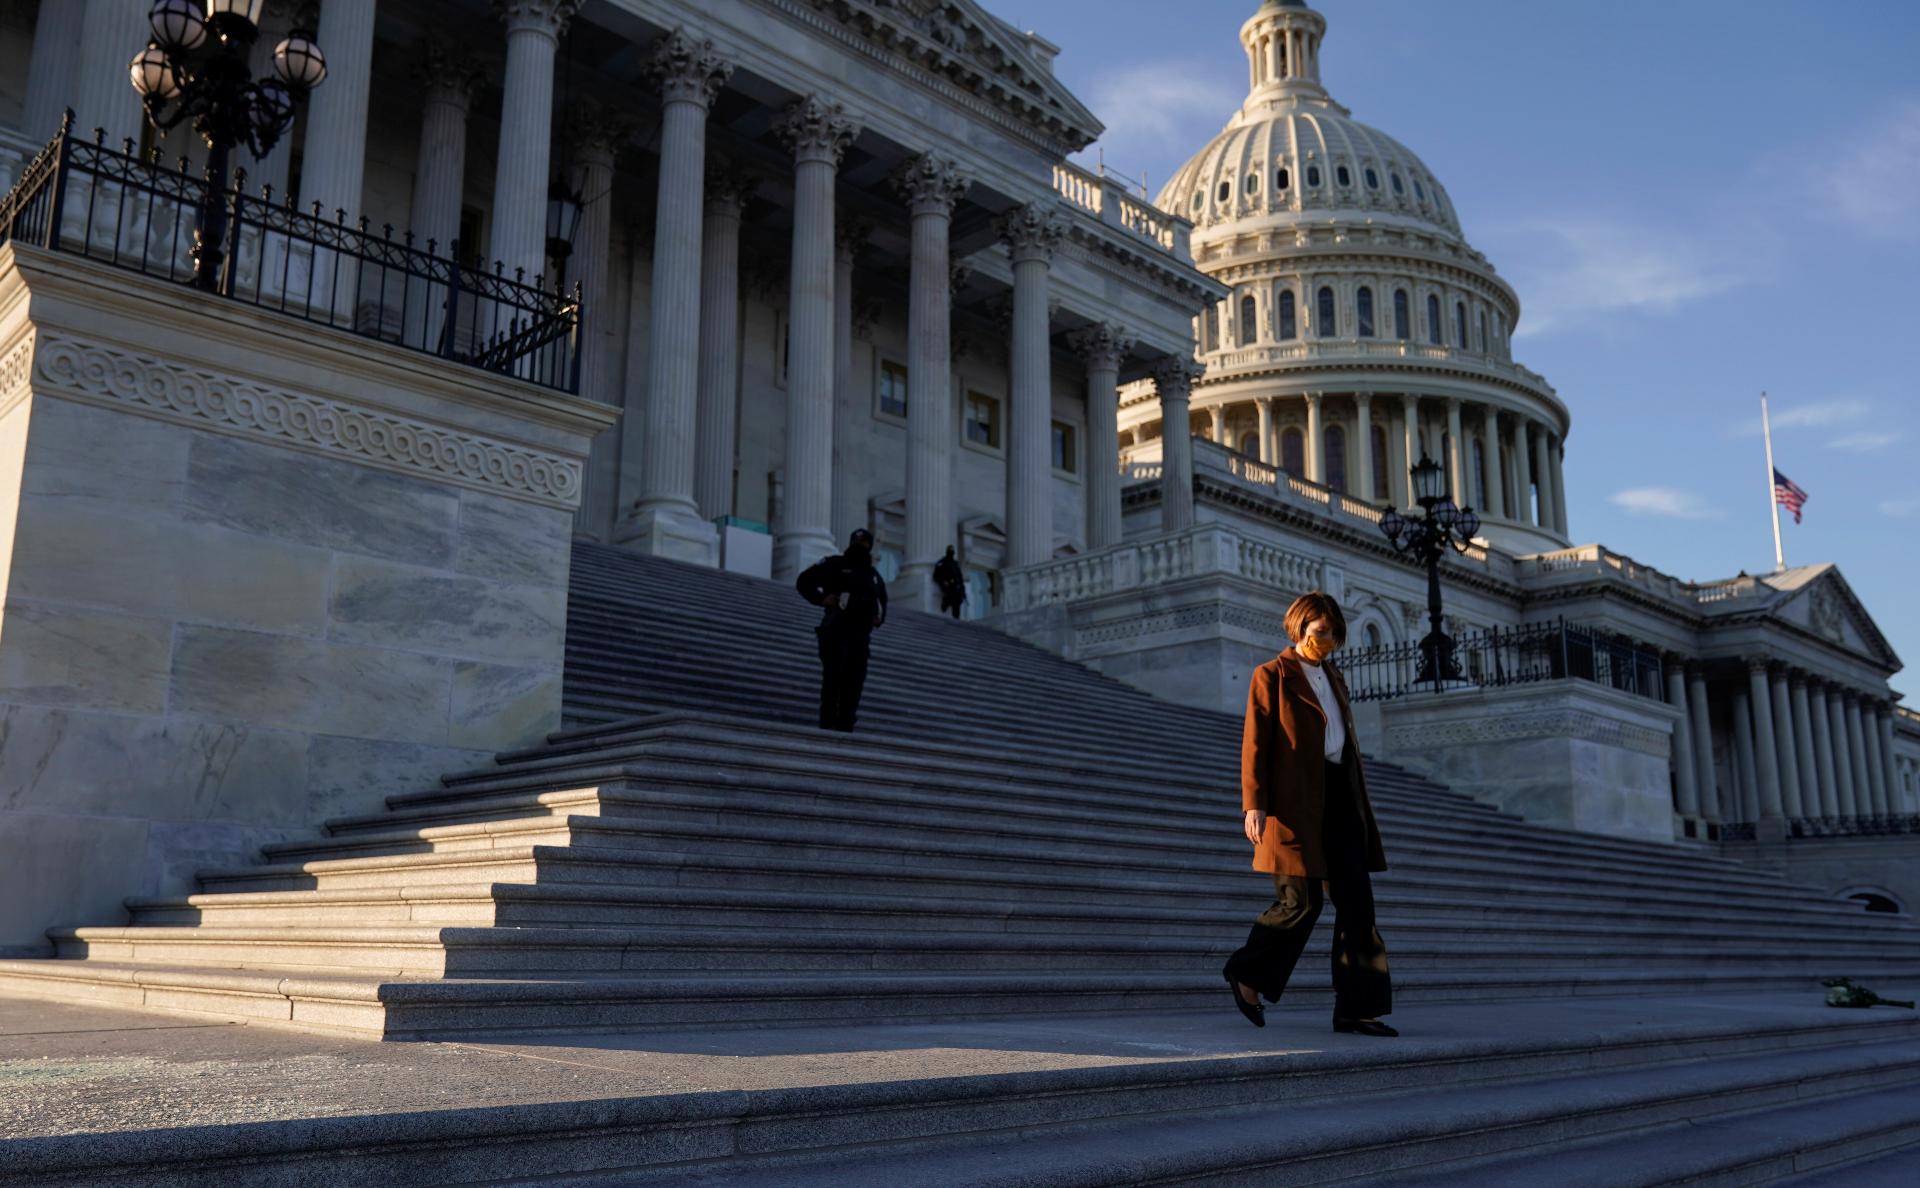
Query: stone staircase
(1009, 836)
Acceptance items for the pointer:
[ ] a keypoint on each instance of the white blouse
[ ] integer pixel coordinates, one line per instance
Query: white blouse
(1330, 705)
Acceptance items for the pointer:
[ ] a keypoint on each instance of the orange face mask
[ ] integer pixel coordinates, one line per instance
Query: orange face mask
(1317, 647)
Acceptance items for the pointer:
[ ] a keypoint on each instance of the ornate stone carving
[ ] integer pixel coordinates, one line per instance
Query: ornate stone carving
(1031, 232)
(850, 231)
(329, 427)
(1542, 724)
(929, 184)
(1174, 375)
(866, 312)
(545, 16)
(1824, 614)
(687, 71)
(1102, 344)
(815, 130)
(959, 274)
(729, 185)
(448, 71)
(598, 131)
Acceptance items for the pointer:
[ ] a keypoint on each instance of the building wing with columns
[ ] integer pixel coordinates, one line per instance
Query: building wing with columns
(834, 271)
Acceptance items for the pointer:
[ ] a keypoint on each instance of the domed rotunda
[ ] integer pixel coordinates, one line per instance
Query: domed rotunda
(1363, 331)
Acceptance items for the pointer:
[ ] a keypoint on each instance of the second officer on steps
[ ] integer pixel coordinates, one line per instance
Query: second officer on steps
(854, 597)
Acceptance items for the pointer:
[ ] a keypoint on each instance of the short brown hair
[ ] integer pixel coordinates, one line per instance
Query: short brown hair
(1316, 605)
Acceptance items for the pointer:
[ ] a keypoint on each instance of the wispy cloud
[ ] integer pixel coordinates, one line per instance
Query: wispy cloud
(1159, 111)
(1900, 507)
(1582, 266)
(1863, 442)
(1873, 185)
(1665, 501)
(1822, 414)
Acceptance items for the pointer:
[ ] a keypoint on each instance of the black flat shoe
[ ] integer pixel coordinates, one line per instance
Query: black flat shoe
(1255, 1013)
(1363, 1027)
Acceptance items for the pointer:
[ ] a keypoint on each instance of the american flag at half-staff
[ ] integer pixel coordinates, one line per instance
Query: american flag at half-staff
(1788, 494)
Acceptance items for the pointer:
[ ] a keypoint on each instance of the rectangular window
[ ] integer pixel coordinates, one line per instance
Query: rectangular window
(1063, 448)
(1366, 312)
(1213, 328)
(893, 388)
(1289, 327)
(983, 420)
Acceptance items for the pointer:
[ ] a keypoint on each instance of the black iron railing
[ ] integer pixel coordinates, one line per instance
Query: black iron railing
(1872, 825)
(1499, 657)
(81, 197)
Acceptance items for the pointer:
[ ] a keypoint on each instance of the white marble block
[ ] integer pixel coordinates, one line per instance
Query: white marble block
(259, 574)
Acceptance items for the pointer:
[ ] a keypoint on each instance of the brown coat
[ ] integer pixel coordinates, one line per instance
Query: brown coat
(1283, 768)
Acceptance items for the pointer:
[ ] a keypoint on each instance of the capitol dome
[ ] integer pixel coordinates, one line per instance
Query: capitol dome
(1363, 331)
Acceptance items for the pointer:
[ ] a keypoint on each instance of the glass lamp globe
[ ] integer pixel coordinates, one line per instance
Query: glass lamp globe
(248, 10)
(563, 218)
(1469, 524)
(177, 25)
(1429, 481)
(153, 75)
(1445, 513)
(1393, 524)
(299, 62)
(272, 111)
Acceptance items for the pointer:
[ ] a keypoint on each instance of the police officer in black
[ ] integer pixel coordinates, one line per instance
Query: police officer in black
(854, 597)
(951, 583)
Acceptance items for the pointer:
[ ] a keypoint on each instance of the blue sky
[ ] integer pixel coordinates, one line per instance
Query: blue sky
(1697, 201)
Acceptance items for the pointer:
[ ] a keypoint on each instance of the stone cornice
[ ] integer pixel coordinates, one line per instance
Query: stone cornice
(1150, 271)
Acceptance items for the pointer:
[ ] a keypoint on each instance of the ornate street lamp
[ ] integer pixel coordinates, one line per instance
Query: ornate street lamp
(563, 219)
(199, 65)
(1427, 539)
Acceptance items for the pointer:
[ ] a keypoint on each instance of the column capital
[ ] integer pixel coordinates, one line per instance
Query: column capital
(815, 130)
(729, 185)
(449, 72)
(598, 132)
(1314, 398)
(850, 232)
(1757, 664)
(959, 273)
(684, 70)
(1173, 377)
(1031, 232)
(550, 17)
(929, 184)
(1102, 344)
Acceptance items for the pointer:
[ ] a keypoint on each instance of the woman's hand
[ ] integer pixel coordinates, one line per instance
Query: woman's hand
(1256, 825)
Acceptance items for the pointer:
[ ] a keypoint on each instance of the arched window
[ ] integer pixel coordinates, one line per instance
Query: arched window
(1253, 183)
(1213, 328)
(1419, 191)
(1289, 325)
(1249, 320)
(1226, 191)
(1372, 636)
(1199, 199)
(1313, 175)
(1373, 180)
(1398, 188)
(1400, 314)
(1341, 175)
(1324, 314)
(1293, 452)
(1336, 438)
(1483, 331)
(1280, 179)
(1250, 445)
(1380, 464)
(1434, 331)
(1479, 475)
(1460, 321)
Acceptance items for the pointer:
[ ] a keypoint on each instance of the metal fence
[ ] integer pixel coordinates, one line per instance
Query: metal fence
(1498, 657)
(1873, 825)
(83, 198)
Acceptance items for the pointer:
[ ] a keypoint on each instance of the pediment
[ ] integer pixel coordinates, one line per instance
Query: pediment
(968, 46)
(1819, 599)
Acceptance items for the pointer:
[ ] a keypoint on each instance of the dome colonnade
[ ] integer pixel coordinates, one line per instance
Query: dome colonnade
(1361, 330)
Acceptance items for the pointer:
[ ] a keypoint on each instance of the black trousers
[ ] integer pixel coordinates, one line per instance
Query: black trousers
(843, 674)
(952, 600)
(1362, 988)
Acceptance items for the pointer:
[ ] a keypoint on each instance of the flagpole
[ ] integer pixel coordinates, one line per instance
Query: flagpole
(1773, 496)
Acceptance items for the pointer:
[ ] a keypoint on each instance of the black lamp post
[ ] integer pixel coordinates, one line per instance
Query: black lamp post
(1427, 539)
(563, 220)
(199, 65)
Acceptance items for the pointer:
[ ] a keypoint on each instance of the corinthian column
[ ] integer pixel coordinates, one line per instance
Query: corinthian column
(850, 409)
(1031, 233)
(817, 133)
(526, 129)
(1822, 723)
(333, 158)
(1850, 801)
(1803, 749)
(1363, 425)
(1410, 412)
(598, 135)
(1686, 791)
(1857, 758)
(1555, 449)
(1784, 744)
(1766, 750)
(1103, 345)
(666, 520)
(1876, 769)
(1704, 782)
(1316, 438)
(931, 186)
(717, 383)
(439, 178)
(1542, 480)
(1456, 456)
(102, 94)
(1173, 378)
(54, 70)
(1496, 477)
(1896, 796)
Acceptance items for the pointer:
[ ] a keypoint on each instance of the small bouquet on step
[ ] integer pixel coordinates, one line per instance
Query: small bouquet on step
(1841, 992)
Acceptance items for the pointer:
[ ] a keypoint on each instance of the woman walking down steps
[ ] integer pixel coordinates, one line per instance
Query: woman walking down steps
(1311, 826)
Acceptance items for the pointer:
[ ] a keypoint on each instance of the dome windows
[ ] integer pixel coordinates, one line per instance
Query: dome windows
(1435, 334)
(1365, 302)
(1398, 188)
(1460, 321)
(1419, 191)
(1313, 175)
(1400, 314)
(1253, 183)
(1293, 451)
(1199, 199)
(1280, 179)
(1249, 320)
(1373, 180)
(1226, 192)
(1323, 314)
(1341, 175)
(1289, 325)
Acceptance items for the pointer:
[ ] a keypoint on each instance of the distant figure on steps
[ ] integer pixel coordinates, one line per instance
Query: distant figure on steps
(951, 582)
(1311, 826)
(854, 597)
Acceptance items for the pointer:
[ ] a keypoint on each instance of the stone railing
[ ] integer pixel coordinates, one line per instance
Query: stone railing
(1108, 198)
(1212, 458)
(1597, 561)
(1206, 550)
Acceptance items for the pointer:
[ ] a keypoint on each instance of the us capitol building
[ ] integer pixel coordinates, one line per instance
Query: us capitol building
(281, 542)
